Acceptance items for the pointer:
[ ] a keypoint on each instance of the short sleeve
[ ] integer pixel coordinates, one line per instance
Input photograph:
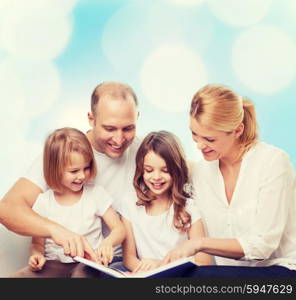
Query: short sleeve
(35, 173)
(102, 198)
(193, 210)
(128, 202)
(40, 205)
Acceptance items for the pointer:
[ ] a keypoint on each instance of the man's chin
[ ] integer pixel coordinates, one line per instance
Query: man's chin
(114, 154)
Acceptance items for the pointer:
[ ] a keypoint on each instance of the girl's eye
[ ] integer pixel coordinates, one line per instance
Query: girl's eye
(73, 172)
(147, 171)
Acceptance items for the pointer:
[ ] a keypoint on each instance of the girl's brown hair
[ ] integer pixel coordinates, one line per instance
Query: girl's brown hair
(220, 108)
(167, 146)
(56, 155)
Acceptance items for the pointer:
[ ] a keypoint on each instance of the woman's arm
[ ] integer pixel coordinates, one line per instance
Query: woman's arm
(229, 248)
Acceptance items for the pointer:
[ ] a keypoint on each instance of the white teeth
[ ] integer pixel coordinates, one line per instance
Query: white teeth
(115, 147)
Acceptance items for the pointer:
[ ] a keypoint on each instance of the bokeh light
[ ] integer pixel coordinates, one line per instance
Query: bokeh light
(170, 76)
(264, 59)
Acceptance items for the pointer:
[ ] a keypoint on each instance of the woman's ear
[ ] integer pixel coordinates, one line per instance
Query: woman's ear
(239, 130)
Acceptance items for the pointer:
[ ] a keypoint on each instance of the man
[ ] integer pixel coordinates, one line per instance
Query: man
(113, 119)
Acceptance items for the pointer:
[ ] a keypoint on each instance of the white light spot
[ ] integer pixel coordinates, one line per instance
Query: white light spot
(264, 59)
(239, 12)
(32, 86)
(36, 30)
(171, 75)
(75, 117)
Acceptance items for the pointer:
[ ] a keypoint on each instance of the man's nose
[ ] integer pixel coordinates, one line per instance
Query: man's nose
(118, 138)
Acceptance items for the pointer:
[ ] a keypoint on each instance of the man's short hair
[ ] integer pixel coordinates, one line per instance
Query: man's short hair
(116, 90)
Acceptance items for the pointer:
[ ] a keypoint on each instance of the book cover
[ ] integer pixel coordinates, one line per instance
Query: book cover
(177, 268)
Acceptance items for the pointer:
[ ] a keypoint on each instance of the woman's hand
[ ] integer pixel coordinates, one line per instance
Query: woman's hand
(187, 248)
(146, 264)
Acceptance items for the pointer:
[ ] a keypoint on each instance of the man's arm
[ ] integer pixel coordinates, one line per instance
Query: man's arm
(17, 215)
(16, 210)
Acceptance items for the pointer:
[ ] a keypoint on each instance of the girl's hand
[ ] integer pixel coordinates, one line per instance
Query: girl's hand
(36, 262)
(187, 248)
(147, 264)
(105, 253)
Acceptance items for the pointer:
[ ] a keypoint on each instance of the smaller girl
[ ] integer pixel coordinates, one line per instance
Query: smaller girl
(159, 215)
(74, 202)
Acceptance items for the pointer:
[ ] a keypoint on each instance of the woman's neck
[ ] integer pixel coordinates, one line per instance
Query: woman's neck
(232, 160)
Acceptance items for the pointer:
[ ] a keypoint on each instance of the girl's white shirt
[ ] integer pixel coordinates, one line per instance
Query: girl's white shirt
(262, 211)
(155, 235)
(83, 217)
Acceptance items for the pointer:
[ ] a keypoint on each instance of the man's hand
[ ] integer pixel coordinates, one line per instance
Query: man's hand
(36, 262)
(73, 243)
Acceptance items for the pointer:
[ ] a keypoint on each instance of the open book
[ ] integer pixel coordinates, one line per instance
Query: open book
(177, 268)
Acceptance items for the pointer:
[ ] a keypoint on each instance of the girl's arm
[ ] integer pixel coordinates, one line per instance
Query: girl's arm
(37, 259)
(37, 246)
(115, 237)
(197, 231)
(130, 258)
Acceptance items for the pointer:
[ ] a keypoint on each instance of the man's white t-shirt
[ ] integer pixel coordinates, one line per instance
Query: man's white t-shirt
(262, 211)
(83, 217)
(115, 175)
(155, 236)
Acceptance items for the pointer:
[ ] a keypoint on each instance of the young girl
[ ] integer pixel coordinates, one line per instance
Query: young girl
(159, 215)
(74, 202)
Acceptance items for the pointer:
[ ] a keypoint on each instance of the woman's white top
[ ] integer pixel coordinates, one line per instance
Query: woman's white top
(262, 211)
(83, 217)
(155, 236)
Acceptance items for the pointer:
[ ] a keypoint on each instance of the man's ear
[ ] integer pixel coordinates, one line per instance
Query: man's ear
(91, 119)
(239, 130)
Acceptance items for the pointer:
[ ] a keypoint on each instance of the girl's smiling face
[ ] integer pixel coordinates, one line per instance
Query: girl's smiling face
(156, 175)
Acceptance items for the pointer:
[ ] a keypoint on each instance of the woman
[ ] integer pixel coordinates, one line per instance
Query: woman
(244, 188)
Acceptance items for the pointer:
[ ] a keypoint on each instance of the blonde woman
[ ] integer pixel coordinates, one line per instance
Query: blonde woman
(244, 188)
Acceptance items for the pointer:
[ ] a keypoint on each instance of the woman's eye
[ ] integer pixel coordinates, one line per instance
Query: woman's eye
(210, 140)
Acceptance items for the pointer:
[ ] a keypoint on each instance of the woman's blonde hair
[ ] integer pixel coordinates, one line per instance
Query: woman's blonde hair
(56, 155)
(168, 147)
(220, 108)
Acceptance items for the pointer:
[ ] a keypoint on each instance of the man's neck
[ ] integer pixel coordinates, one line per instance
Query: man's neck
(91, 139)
